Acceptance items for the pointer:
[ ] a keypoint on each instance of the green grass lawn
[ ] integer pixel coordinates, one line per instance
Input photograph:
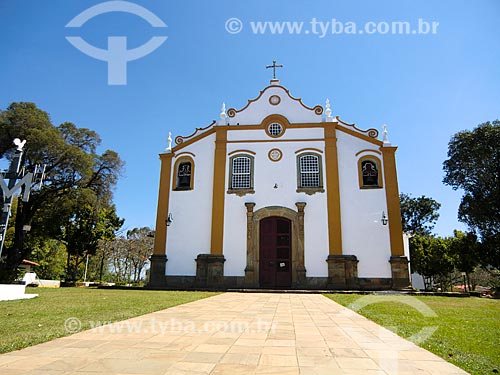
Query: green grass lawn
(28, 322)
(468, 329)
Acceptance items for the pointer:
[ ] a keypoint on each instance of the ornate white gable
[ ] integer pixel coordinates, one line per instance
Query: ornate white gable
(274, 99)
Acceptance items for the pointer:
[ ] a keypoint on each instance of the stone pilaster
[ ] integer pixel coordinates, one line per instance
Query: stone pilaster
(342, 271)
(301, 269)
(251, 279)
(157, 277)
(210, 270)
(400, 273)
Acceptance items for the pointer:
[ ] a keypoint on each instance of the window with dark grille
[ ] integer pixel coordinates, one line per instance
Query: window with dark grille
(241, 173)
(275, 129)
(309, 171)
(369, 172)
(184, 176)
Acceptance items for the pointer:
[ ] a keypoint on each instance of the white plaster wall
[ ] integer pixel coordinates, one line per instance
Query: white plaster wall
(288, 107)
(266, 175)
(190, 232)
(260, 134)
(363, 234)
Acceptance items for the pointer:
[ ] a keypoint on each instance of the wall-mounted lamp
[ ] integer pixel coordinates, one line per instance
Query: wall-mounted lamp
(169, 220)
(275, 186)
(384, 218)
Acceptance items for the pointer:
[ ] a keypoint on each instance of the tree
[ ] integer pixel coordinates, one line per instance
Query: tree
(51, 255)
(140, 242)
(418, 215)
(75, 174)
(464, 250)
(127, 256)
(429, 256)
(473, 165)
(84, 230)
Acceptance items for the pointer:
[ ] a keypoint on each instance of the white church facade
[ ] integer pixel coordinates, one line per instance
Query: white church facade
(279, 195)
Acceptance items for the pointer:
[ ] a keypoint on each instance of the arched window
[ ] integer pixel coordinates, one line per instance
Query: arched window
(184, 174)
(369, 172)
(309, 173)
(241, 174)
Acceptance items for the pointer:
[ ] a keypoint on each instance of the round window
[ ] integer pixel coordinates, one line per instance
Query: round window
(275, 129)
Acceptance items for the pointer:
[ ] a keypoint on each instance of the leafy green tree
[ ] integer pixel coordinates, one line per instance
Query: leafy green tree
(82, 233)
(429, 256)
(418, 215)
(51, 255)
(473, 165)
(75, 174)
(464, 249)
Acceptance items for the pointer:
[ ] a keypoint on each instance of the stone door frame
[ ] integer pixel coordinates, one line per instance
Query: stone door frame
(253, 236)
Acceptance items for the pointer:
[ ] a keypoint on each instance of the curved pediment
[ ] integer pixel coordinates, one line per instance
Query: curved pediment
(274, 99)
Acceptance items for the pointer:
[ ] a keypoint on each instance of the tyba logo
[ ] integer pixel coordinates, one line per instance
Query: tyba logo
(117, 55)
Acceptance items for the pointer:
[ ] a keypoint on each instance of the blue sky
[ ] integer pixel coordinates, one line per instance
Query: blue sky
(425, 87)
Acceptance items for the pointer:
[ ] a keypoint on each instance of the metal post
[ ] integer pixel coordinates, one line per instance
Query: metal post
(86, 266)
(12, 175)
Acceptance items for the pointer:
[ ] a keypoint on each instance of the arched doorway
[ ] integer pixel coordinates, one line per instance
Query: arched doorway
(296, 233)
(275, 252)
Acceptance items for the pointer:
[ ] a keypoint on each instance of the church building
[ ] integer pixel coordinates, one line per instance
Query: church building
(278, 194)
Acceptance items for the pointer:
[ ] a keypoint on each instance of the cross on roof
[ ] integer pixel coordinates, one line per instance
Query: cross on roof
(274, 66)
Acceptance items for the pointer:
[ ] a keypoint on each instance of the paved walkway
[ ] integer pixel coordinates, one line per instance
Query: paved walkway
(233, 333)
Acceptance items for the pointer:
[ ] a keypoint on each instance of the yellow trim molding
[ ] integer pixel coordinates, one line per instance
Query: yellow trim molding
(309, 149)
(392, 197)
(178, 161)
(275, 118)
(274, 100)
(163, 200)
(277, 140)
(360, 136)
(197, 137)
(333, 191)
(185, 153)
(273, 151)
(368, 150)
(379, 171)
(218, 194)
(240, 151)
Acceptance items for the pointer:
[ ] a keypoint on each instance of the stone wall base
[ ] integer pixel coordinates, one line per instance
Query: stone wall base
(342, 272)
(342, 275)
(157, 271)
(400, 274)
(311, 283)
(209, 271)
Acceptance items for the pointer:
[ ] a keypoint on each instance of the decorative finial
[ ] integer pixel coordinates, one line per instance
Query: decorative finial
(385, 138)
(19, 144)
(169, 145)
(223, 114)
(328, 111)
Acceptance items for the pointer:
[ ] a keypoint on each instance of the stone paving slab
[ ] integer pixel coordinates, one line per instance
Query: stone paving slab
(234, 333)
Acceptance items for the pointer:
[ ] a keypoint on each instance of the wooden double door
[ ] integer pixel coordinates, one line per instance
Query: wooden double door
(275, 252)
